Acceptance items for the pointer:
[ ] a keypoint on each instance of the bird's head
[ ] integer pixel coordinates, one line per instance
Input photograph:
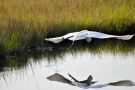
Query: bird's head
(90, 78)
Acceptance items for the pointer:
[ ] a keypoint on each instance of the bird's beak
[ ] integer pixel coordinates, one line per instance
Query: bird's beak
(94, 82)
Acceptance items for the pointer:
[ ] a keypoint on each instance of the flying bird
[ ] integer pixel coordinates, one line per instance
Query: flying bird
(88, 83)
(87, 35)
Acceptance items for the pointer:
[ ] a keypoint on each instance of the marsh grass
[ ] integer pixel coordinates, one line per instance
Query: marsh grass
(25, 23)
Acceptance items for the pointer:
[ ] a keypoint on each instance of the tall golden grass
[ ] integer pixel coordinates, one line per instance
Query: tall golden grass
(25, 23)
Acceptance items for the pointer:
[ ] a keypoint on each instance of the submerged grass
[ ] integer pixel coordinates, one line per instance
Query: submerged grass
(25, 23)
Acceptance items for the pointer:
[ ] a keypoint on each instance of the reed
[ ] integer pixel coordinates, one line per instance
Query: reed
(25, 23)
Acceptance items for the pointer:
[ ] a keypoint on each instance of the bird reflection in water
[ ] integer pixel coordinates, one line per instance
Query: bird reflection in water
(88, 83)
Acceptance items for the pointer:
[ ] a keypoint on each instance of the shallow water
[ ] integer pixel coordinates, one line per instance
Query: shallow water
(106, 60)
(104, 67)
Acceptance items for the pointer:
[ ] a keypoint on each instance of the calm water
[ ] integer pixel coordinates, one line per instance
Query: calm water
(106, 63)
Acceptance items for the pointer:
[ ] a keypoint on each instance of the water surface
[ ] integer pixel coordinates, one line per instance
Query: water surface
(105, 62)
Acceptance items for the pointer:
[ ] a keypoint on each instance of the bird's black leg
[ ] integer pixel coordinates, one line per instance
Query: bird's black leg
(73, 78)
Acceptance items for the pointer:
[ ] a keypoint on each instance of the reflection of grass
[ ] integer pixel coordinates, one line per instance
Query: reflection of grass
(23, 20)
(54, 52)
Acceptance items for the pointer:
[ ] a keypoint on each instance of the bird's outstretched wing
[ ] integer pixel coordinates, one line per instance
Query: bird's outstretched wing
(60, 39)
(127, 83)
(85, 34)
(59, 78)
(122, 83)
(55, 40)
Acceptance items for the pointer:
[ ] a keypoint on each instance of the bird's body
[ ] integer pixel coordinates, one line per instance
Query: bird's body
(87, 35)
(84, 83)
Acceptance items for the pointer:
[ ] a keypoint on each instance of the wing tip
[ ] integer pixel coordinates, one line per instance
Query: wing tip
(55, 40)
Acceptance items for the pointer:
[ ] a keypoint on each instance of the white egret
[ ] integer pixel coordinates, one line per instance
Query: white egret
(87, 35)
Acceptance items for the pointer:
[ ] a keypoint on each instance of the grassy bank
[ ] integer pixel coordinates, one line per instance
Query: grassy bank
(25, 23)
